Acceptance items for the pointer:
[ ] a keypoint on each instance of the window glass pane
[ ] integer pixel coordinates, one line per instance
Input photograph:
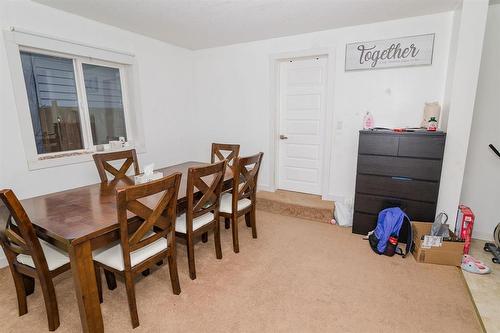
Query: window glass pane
(53, 102)
(104, 98)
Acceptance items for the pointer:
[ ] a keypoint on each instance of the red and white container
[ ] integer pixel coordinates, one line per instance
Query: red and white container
(464, 225)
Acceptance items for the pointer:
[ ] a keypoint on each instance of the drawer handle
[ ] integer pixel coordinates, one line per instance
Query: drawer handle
(401, 178)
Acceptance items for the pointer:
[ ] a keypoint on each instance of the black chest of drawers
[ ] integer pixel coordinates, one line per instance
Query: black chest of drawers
(397, 170)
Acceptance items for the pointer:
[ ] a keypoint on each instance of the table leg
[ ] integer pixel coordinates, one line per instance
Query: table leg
(87, 296)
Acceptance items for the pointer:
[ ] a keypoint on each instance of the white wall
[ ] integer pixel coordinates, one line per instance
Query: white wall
(165, 80)
(481, 186)
(232, 86)
(461, 95)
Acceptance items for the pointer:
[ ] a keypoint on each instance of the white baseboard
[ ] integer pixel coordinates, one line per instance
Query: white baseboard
(265, 188)
(482, 236)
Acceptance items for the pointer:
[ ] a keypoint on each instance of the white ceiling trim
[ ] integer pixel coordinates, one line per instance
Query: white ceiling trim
(198, 24)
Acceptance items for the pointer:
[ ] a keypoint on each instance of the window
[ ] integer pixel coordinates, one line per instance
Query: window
(74, 103)
(105, 103)
(53, 102)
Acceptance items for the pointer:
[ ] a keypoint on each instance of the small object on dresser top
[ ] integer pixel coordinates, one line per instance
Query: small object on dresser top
(432, 125)
(368, 122)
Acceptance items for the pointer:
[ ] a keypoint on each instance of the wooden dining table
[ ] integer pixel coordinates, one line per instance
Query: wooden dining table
(83, 219)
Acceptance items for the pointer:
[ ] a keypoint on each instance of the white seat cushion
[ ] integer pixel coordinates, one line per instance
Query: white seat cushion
(225, 203)
(200, 221)
(55, 257)
(112, 256)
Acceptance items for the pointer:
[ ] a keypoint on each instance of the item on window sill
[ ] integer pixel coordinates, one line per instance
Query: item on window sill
(430, 110)
(432, 125)
(113, 145)
(148, 175)
(368, 122)
(99, 148)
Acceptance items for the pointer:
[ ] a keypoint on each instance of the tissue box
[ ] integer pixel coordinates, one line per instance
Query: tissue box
(141, 179)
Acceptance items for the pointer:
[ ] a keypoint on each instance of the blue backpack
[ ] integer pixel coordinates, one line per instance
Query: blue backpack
(384, 239)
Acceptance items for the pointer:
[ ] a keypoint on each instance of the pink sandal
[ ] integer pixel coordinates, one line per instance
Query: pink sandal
(473, 265)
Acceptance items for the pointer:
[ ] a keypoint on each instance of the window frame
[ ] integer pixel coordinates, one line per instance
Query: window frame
(17, 42)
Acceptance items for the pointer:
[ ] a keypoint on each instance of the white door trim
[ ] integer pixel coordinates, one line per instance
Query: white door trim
(274, 61)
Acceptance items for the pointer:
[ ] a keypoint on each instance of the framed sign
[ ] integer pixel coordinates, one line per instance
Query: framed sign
(396, 52)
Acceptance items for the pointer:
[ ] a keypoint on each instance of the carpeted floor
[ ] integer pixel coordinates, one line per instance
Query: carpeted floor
(298, 276)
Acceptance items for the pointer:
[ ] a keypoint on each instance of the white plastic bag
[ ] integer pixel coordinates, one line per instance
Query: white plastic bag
(343, 213)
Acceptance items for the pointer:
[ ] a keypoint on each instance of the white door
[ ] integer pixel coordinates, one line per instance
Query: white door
(302, 96)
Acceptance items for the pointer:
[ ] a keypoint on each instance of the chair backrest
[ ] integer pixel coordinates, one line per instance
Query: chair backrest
(162, 194)
(208, 180)
(102, 163)
(246, 171)
(219, 150)
(17, 234)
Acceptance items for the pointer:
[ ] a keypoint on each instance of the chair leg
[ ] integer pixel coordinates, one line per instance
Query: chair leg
(146, 272)
(110, 279)
(218, 248)
(227, 222)
(253, 223)
(20, 291)
(248, 219)
(29, 284)
(174, 275)
(234, 227)
(49, 297)
(129, 285)
(204, 237)
(190, 253)
(98, 281)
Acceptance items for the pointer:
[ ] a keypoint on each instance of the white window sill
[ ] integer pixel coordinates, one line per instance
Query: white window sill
(81, 156)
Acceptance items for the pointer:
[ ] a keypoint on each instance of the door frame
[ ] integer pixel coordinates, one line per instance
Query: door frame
(274, 123)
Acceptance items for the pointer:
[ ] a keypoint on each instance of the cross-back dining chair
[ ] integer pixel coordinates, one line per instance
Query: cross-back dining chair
(202, 213)
(103, 167)
(224, 151)
(153, 205)
(29, 257)
(242, 199)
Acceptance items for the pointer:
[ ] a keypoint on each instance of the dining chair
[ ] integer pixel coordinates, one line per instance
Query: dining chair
(220, 152)
(224, 151)
(142, 248)
(29, 257)
(242, 199)
(202, 213)
(103, 168)
(102, 163)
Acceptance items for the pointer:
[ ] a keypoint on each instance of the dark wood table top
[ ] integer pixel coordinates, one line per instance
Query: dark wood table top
(88, 211)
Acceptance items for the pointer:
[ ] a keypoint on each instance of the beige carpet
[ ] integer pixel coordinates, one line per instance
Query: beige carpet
(298, 276)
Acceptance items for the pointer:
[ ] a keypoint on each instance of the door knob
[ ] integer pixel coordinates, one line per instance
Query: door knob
(283, 137)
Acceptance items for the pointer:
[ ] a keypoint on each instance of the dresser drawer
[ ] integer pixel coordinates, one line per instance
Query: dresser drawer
(416, 210)
(431, 146)
(400, 166)
(397, 187)
(378, 144)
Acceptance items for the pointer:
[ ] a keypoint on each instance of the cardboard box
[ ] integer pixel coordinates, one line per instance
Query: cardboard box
(449, 253)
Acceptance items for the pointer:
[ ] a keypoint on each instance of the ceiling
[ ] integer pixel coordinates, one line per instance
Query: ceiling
(198, 24)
